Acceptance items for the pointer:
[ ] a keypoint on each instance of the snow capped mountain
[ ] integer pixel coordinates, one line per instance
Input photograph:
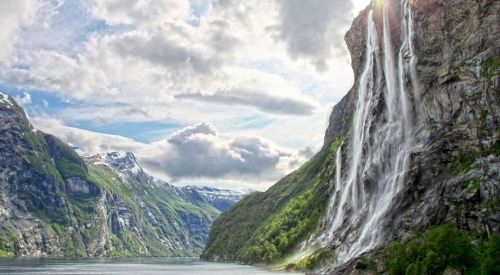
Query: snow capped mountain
(102, 205)
(213, 193)
(126, 166)
(221, 199)
(118, 161)
(5, 100)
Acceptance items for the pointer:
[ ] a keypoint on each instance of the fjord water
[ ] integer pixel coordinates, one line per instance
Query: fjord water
(118, 266)
(380, 143)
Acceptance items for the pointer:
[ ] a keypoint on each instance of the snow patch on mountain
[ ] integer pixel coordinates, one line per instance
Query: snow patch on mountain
(221, 199)
(4, 98)
(120, 162)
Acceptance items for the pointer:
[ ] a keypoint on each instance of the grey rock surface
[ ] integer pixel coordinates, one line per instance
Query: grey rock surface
(454, 176)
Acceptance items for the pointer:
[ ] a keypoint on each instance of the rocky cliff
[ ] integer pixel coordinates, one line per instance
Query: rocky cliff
(454, 172)
(54, 203)
(413, 145)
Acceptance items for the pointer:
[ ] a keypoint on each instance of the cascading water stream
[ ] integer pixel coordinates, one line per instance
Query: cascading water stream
(362, 109)
(338, 180)
(380, 143)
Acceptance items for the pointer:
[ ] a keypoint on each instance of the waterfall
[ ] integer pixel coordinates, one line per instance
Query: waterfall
(359, 126)
(338, 180)
(379, 145)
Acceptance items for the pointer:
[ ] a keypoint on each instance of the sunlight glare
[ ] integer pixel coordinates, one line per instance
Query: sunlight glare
(360, 4)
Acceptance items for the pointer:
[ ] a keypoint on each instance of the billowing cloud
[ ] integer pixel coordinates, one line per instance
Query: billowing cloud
(193, 152)
(314, 28)
(56, 72)
(158, 57)
(13, 16)
(104, 62)
(136, 11)
(161, 51)
(197, 151)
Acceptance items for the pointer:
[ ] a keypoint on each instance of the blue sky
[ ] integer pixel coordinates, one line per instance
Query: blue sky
(200, 82)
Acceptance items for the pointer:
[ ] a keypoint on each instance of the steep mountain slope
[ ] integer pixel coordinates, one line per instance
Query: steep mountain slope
(52, 202)
(174, 221)
(264, 226)
(413, 145)
(126, 166)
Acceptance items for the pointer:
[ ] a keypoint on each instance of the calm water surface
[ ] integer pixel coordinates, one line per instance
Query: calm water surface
(134, 266)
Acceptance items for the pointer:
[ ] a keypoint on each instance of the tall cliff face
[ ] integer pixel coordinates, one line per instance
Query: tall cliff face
(414, 143)
(453, 166)
(456, 104)
(456, 41)
(455, 175)
(53, 202)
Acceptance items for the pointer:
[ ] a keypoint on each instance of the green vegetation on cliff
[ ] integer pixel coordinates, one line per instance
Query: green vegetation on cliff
(55, 203)
(313, 260)
(168, 210)
(441, 248)
(264, 227)
(68, 163)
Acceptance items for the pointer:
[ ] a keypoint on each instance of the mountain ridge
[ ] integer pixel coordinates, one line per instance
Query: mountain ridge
(55, 203)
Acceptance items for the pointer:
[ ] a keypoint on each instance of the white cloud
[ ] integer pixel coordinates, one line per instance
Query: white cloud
(53, 71)
(195, 152)
(135, 12)
(159, 50)
(262, 101)
(24, 100)
(314, 29)
(143, 61)
(88, 141)
(14, 15)
(160, 57)
(157, 71)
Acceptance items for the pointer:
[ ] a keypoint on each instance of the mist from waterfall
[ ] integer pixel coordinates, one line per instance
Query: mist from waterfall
(378, 150)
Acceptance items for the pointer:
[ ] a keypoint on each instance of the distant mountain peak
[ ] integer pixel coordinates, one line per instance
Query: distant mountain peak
(103, 205)
(6, 99)
(118, 161)
(210, 189)
(221, 199)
